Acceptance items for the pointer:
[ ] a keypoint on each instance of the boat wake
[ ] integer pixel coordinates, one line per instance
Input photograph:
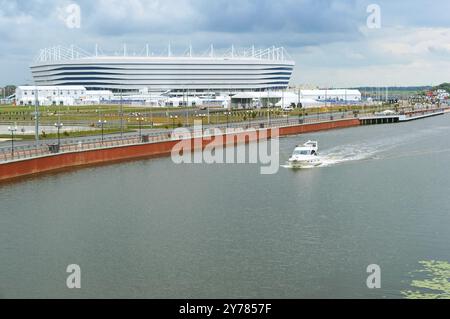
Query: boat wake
(342, 154)
(348, 153)
(380, 149)
(356, 152)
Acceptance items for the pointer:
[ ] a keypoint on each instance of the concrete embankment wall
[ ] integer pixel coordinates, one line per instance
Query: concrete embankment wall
(308, 128)
(62, 161)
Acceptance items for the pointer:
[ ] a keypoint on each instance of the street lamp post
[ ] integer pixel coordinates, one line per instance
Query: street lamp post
(102, 124)
(12, 130)
(151, 118)
(269, 112)
(140, 119)
(202, 116)
(59, 125)
(173, 120)
(228, 118)
(121, 113)
(36, 117)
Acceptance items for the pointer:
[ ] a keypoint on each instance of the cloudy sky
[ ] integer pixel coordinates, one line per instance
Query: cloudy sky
(329, 39)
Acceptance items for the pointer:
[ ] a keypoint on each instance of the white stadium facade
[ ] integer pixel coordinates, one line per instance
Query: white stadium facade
(234, 71)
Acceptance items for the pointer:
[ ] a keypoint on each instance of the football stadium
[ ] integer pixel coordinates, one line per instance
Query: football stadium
(230, 71)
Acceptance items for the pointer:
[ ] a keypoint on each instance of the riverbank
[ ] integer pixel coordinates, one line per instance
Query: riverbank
(33, 161)
(80, 158)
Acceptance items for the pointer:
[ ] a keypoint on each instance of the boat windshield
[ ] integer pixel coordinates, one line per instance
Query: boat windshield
(302, 152)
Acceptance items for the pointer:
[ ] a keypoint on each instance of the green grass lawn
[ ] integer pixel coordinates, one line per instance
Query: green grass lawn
(89, 115)
(66, 134)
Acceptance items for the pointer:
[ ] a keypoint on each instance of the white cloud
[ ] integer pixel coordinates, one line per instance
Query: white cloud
(326, 37)
(415, 42)
(393, 56)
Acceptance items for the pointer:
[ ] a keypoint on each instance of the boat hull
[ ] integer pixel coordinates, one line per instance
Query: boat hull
(305, 163)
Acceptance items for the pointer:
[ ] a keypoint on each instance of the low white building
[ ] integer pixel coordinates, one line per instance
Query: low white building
(6, 101)
(442, 94)
(50, 95)
(333, 95)
(317, 98)
(307, 98)
(78, 95)
(273, 99)
(60, 95)
(97, 97)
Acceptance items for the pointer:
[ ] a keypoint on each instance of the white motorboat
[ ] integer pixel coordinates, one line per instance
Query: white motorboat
(306, 156)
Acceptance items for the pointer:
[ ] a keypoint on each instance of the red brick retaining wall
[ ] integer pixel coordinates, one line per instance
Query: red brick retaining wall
(49, 163)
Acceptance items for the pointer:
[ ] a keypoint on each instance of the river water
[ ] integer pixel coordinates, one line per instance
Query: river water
(153, 229)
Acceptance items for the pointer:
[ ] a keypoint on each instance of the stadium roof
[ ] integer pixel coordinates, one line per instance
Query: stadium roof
(62, 53)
